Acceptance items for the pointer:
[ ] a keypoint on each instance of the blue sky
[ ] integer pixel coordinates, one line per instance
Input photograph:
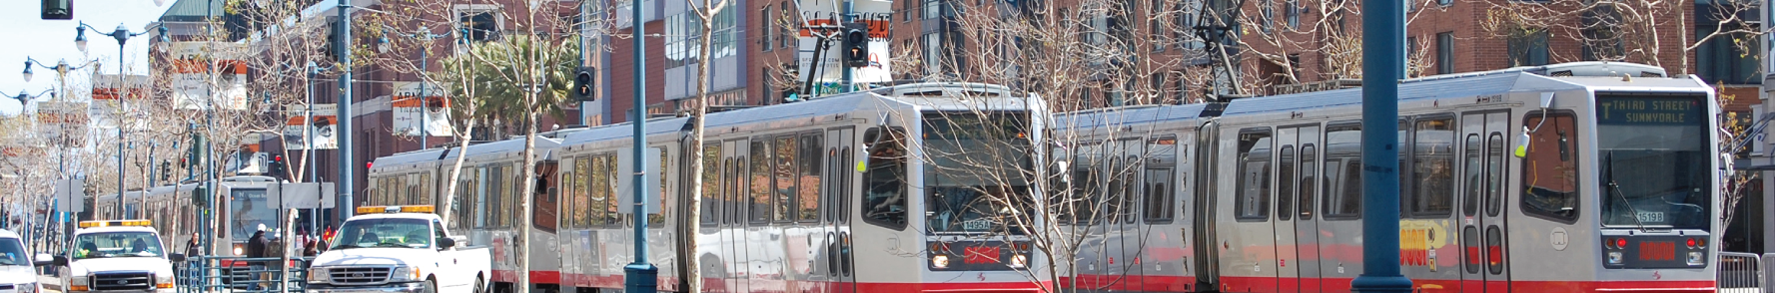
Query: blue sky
(26, 35)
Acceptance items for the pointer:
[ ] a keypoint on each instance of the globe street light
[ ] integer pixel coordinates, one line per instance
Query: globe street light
(122, 34)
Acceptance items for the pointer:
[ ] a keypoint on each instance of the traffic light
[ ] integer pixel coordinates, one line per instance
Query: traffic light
(328, 45)
(166, 170)
(583, 85)
(275, 168)
(58, 9)
(856, 45)
(200, 195)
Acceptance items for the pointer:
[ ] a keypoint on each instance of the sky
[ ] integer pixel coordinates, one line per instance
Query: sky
(24, 34)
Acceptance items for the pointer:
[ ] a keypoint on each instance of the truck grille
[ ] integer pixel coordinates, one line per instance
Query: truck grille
(122, 281)
(358, 275)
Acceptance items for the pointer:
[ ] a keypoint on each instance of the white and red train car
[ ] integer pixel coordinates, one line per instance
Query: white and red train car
(888, 190)
(1589, 177)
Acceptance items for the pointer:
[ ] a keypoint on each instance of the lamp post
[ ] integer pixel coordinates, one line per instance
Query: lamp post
(424, 35)
(122, 34)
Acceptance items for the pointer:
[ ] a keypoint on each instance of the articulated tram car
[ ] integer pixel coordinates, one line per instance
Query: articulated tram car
(859, 192)
(1510, 181)
(248, 202)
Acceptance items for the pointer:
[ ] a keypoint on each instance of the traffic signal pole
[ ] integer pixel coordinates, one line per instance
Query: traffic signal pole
(1384, 56)
(639, 276)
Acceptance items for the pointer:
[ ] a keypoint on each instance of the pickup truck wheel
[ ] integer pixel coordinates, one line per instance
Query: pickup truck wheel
(431, 286)
(480, 285)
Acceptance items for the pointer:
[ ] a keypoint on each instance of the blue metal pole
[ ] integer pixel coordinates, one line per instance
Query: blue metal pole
(639, 276)
(343, 124)
(1384, 55)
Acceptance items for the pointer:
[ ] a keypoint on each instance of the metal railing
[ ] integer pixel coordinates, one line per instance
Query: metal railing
(1739, 272)
(243, 275)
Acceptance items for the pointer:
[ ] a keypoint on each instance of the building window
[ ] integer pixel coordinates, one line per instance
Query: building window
(684, 29)
(1600, 35)
(1446, 53)
(788, 31)
(765, 23)
(1529, 47)
(1722, 59)
(1186, 23)
(1411, 5)
(480, 25)
(933, 52)
(1445, 2)
(933, 8)
(1292, 13)
(1266, 14)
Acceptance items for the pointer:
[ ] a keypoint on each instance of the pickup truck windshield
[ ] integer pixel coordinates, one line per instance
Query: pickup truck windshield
(413, 233)
(116, 244)
(12, 254)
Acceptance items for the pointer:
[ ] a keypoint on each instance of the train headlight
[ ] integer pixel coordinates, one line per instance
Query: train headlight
(940, 261)
(238, 250)
(1018, 261)
(1695, 258)
(1615, 257)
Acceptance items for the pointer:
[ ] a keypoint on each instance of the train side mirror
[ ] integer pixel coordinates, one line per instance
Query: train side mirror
(43, 259)
(1547, 100)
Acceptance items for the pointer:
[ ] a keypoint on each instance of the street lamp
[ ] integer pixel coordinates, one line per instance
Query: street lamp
(25, 97)
(122, 34)
(425, 35)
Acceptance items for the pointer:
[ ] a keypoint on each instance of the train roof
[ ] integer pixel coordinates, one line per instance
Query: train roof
(1470, 85)
(543, 144)
(1130, 115)
(833, 105)
(410, 157)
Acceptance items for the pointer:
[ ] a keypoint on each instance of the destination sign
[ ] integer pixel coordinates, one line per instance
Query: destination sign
(1672, 111)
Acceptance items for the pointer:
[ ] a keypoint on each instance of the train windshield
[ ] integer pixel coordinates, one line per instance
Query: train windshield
(1654, 158)
(116, 244)
(251, 208)
(978, 171)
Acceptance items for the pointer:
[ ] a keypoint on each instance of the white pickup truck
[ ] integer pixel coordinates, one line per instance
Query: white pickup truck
(399, 249)
(115, 256)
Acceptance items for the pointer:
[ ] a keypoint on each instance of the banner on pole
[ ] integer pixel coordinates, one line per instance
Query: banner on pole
(321, 130)
(195, 63)
(414, 113)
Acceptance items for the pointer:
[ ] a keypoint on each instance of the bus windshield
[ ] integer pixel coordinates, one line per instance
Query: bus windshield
(249, 209)
(116, 244)
(1654, 159)
(978, 171)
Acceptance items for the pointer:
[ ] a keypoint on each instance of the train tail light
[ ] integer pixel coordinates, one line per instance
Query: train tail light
(1691, 243)
(1701, 242)
(1621, 243)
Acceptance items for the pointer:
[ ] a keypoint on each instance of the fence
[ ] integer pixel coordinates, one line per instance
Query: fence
(1740, 272)
(243, 275)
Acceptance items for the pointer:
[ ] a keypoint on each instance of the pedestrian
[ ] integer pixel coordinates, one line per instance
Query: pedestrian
(193, 250)
(256, 249)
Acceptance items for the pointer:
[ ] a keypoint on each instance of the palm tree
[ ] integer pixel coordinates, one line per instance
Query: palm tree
(499, 71)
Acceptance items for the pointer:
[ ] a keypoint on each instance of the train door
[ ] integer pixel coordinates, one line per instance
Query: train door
(1161, 253)
(1207, 261)
(1482, 221)
(1250, 257)
(1124, 262)
(834, 258)
(734, 205)
(1288, 168)
(1307, 228)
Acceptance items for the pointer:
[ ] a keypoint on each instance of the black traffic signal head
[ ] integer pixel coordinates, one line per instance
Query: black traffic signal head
(856, 45)
(58, 9)
(583, 85)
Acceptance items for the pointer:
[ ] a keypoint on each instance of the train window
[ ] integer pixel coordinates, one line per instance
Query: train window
(1549, 170)
(1253, 203)
(611, 177)
(735, 188)
(1495, 171)
(1160, 200)
(1474, 175)
(1285, 195)
(598, 193)
(1087, 186)
(1117, 187)
(1304, 199)
(495, 202)
(831, 190)
(783, 168)
(809, 159)
(658, 220)
(760, 159)
(1058, 182)
(885, 199)
(711, 184)
(1433, 169)
(845, 189)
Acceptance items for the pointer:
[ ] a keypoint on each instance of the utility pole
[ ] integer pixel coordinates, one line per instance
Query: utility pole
(639, 275)
(1384, 63)
(344, 124)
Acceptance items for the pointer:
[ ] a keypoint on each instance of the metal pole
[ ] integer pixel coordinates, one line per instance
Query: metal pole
(122, 109)
(846, 70)
(1384, 53)
(425, 133)
(343, 127)
(314, 166)
(639, 276)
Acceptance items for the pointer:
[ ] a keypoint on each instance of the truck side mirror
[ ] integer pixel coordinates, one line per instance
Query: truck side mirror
(446, 243)
(176, 257)
(60, 261)
(43, 259)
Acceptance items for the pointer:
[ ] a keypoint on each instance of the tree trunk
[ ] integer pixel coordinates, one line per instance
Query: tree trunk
(462, 151)
(522, 254)
(690, 274)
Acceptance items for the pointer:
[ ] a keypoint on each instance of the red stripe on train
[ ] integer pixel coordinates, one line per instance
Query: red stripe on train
(775, 286)
(1272, 284)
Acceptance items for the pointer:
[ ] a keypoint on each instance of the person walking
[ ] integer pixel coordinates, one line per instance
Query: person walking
(256, 249)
